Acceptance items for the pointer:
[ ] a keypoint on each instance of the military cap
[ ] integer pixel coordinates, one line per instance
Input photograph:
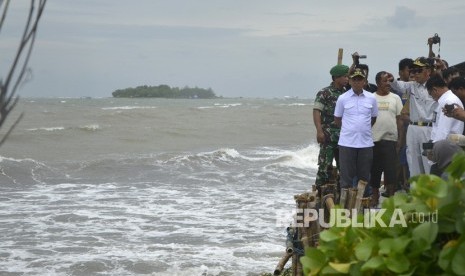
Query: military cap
(339, 70)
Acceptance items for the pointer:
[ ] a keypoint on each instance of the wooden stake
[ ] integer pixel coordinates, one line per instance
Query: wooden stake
(360, 190)
(343, 200)
(280, 267)
(339, 56)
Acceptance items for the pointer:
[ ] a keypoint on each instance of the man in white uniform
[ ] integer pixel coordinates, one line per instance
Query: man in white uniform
(422, 107)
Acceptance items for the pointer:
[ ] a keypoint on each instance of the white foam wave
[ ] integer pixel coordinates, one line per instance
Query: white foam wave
(227, 105)
(47, 128)
(219, 105)
(91, 127)
(305, 158)
(295, 104)
(128, 107)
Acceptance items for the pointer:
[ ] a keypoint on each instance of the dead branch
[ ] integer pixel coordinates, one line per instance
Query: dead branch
(18, 67)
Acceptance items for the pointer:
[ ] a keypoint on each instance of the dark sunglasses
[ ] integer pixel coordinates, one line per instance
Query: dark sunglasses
(416, 70)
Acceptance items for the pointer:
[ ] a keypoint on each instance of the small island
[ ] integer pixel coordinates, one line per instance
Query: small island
(164, 91)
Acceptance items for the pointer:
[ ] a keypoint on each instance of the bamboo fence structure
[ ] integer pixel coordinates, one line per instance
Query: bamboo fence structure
(306, 234)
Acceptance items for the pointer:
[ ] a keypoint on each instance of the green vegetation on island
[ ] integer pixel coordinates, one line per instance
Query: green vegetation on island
(164, 91)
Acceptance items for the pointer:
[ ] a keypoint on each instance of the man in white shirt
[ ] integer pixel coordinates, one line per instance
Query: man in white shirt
(442, 124)
(386, 132)
(355, 112)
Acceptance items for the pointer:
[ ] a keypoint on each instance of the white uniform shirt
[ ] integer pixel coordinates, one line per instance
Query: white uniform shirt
(422, 105)
(356, 112)
(443, 125)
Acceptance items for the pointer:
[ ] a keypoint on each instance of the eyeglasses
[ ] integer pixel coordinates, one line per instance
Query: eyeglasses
(416, 70)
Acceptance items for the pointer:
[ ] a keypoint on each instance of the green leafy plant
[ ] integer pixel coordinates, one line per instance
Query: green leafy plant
(429, 242)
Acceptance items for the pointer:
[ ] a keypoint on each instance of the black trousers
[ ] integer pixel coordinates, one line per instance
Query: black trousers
(384, 160)
(354, 163)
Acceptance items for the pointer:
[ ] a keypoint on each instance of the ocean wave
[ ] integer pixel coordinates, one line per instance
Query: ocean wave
(128, 107)
(219, 105)
(295, 104)
(91, 127)
(47, 128)
(23, 171)
(305, 158)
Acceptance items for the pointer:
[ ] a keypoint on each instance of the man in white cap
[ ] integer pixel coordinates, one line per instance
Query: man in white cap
(421, 108)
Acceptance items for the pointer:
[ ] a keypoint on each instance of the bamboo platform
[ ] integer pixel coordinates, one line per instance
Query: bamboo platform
(306, 233)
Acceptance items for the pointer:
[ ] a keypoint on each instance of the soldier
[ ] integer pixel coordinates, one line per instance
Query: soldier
(327, 132)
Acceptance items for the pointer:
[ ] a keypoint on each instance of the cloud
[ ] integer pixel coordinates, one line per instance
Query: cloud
(403, 18)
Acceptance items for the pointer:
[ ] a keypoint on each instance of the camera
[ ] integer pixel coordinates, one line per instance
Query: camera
(449, 108)
(427, 148)
(356, 57)
(427, 145)
(436, 39)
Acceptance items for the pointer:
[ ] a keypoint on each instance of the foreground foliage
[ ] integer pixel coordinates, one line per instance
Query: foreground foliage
(431, 243)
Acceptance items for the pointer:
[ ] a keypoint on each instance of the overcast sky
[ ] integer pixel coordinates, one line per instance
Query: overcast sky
(239, 48)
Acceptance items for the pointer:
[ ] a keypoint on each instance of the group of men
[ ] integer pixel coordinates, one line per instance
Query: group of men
(385, 130)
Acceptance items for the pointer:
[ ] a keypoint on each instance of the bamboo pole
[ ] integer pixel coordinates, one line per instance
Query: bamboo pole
(360, 191)
(305, 238)
(290, 240)
(280, 267)
(351, 198)
(343, 200)
(329, 201)
(339, 55)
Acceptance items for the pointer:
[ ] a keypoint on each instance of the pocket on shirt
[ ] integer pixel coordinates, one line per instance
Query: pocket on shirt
(366, 107)
(350, 108)
(369, 106)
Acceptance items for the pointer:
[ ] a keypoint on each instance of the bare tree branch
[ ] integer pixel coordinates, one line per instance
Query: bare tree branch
(18, 67)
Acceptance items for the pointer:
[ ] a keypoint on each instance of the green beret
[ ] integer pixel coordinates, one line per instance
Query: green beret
(339, 70)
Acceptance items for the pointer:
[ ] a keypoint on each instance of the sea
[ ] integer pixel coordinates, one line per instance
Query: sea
(113, 186)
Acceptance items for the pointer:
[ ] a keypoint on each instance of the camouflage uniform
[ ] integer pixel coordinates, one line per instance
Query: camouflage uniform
(325, 101)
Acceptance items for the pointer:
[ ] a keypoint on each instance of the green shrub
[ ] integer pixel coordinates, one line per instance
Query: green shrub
(431, 242)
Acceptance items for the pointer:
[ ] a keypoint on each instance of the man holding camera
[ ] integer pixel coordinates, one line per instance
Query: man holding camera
(421, 110)
(443, 125)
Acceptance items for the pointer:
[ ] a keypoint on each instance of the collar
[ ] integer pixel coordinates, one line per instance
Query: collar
(352, 93)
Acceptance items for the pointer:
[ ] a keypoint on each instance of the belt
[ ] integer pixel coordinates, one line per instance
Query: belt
(421, 123)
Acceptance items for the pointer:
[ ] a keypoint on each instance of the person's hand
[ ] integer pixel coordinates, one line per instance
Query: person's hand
(390, 77)
(457, 113)
(320, 137)
(430, 41)
(439, 64)
(355, 58)
(449, 112)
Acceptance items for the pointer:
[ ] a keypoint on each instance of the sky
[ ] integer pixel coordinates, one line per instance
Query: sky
(238, 48)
